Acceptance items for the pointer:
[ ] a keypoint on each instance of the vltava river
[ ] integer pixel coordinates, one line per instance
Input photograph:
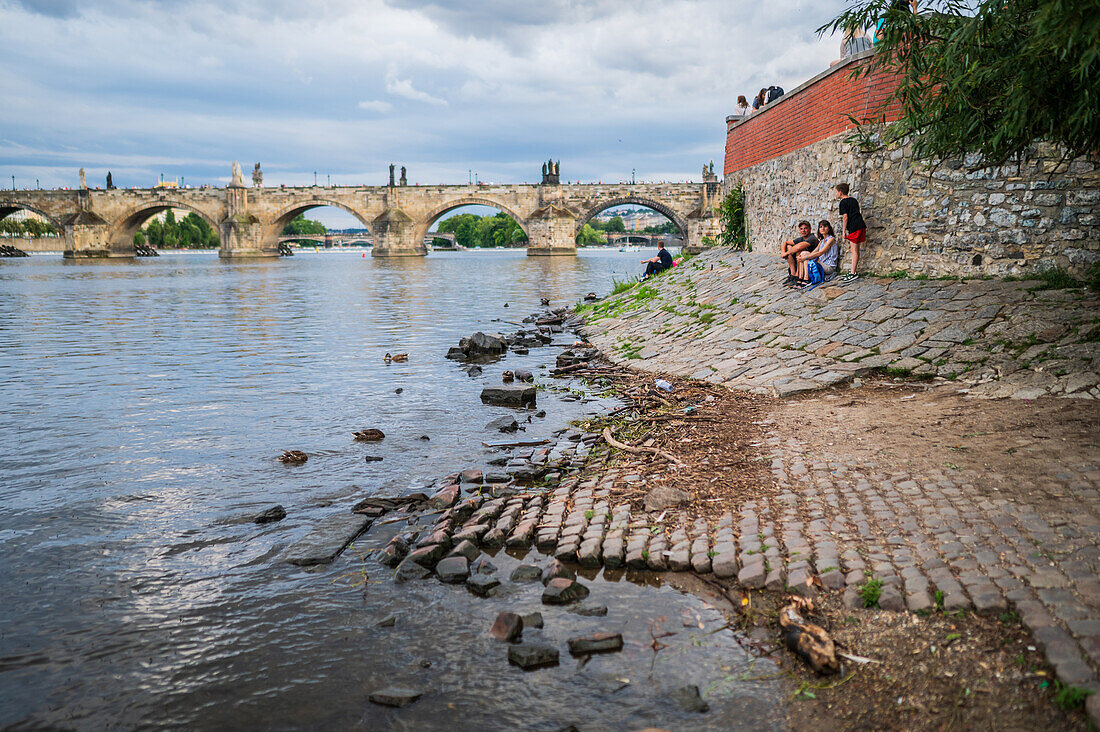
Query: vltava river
(144, 404)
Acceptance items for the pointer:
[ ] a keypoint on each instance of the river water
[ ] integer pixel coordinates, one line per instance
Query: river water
(144, 404)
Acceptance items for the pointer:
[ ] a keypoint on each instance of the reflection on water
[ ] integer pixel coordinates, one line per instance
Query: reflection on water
(145, 402)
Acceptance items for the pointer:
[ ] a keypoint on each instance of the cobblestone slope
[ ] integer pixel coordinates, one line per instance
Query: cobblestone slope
(724, 317)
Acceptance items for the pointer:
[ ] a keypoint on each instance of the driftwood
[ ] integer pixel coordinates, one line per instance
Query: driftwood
(638, 450)
(810, 642)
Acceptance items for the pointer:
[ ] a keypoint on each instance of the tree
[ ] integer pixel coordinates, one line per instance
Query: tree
(470, 230)
(731, 218)
(989, 77)
(589, 237)
(616, 225)
(301, 226)
(190, 232)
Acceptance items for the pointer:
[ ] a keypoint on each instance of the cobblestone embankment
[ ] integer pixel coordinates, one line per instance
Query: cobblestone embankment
(724, 317)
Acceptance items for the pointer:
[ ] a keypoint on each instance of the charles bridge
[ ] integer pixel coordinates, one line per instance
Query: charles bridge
(98, 223)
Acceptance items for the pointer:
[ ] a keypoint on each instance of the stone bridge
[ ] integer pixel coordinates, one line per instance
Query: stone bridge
(250, 221)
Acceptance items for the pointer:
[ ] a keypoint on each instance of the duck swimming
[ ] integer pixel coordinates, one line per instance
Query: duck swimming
(293, 457)
(369, 435)
(396, 357)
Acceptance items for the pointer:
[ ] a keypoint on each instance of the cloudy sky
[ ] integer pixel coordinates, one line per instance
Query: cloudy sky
(448, 88)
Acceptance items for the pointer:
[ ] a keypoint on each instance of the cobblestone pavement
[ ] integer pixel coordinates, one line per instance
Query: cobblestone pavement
(724, 317)
(933, 540)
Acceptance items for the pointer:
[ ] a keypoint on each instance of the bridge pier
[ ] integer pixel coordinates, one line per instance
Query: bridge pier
(551, 231)
(87, 236)
(701, 223)
(242, 235)
(394, 234)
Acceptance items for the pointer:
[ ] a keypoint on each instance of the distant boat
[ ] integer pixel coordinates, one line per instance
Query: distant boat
(630, 248)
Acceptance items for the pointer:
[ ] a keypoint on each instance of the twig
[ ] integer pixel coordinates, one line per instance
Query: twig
(638, 450)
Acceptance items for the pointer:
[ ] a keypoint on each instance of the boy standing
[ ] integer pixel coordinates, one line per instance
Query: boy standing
(852, 226)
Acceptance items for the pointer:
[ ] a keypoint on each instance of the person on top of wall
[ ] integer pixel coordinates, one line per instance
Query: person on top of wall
(825, 254)
(742, 109)
(852, 226)
(758, 100)
(854, 42)
(790, 249)
(660, 263)
(902, 6)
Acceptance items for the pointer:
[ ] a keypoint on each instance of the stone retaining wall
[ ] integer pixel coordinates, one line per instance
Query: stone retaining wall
(943, 220)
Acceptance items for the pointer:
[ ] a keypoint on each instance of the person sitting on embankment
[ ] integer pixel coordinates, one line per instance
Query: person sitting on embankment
(826, 254)
(790, 249)
(660, 263)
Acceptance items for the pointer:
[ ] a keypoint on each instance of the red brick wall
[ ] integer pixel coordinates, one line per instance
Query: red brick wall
(809, 114)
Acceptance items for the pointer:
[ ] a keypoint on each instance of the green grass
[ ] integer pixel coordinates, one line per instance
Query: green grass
(619, 287)
(1069, 698)
(870, 592)
(1055, 278)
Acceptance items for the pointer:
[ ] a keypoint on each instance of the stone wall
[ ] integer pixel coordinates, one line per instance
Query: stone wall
(943, 220)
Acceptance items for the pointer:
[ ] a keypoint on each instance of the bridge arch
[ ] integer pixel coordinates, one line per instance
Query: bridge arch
(125, 226)
(657, 206)
(8, 208)
(438, 211)
(285, 216)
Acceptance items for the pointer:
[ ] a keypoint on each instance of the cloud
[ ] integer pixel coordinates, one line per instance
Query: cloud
(187, 86)
(404, 88)
(375, 105)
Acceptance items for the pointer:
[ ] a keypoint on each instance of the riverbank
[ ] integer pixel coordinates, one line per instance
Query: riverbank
(908, 491)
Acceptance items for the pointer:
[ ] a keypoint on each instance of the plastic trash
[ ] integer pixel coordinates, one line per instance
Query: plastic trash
(689, 410)
(663, 385)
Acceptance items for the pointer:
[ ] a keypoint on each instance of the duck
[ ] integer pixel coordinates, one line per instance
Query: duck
(369, 435)
(293, 457)
(396, 357)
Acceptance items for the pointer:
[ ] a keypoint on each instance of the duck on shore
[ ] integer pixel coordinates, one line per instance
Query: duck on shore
(396, 357)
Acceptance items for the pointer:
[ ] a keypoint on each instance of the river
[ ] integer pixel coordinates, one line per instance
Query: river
(144, 403)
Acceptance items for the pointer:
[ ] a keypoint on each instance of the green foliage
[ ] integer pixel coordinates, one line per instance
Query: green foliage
(30, 227)
(589, 237)
(1056, 278)
(470, 230)
(1069, 698)
(870, 592)
(731, 217)
(301, 226)
(190, 232)
(622, 286)
(988, 77)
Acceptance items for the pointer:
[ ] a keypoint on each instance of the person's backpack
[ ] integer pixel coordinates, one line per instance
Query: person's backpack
(774, 92)
(813, 271)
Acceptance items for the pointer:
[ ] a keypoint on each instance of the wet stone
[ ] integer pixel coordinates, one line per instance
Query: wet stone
(427, 556)
(482, 584)
(395, 696)
(409, 570)
(507, 627)
(688, 699)
(589, 609)
(526, 573)
(530, 656)
(532, 620)
(561, 591)
(597, 643)
(555, 570)
(453, 570)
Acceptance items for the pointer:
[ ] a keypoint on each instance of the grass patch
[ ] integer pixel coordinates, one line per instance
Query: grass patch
(1055, 278)
(870, 592)
(620, 286)
(1069, 698)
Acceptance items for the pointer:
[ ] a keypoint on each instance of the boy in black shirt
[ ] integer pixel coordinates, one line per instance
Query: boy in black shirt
(851, 226)
(789, 250)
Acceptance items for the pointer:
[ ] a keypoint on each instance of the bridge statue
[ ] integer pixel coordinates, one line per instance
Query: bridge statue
(101, 223)
(238, 177)
(404, 180)
(257, 177)
(83, 181)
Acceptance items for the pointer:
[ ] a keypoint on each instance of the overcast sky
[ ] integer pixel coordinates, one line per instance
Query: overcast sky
(343, 88)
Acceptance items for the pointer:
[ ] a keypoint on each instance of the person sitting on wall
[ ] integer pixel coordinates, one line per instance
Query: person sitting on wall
(826, 254)
(660, 263)
(758, 100)
(790, 249)
(742, 109)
